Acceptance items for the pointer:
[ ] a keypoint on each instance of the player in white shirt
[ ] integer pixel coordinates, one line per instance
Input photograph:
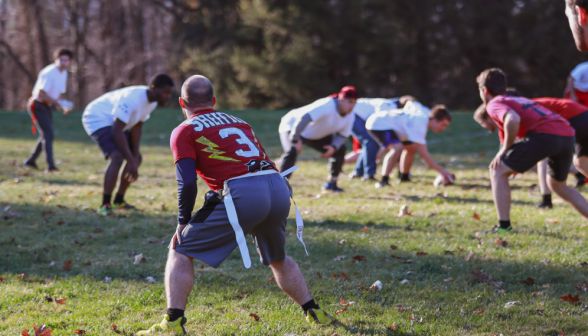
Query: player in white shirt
(365, 167)
(114, 121)
(393, 127)
(323, 125)
(49, 89)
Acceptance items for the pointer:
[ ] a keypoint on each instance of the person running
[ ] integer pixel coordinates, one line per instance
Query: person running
(577, 84)
(323, 125)
(49, 89)
(365, 167)
(115, 121)
(528, 133)
(577, 13)
(395, 128)
(247, 196)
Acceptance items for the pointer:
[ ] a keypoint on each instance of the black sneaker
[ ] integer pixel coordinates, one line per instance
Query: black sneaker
(354, 176)
(331, 187)
(31, 165)
(580, 182)
(404, 179)
(382, 184)
(51, 170)
(369, 179)
(497, 229)
(545, 206)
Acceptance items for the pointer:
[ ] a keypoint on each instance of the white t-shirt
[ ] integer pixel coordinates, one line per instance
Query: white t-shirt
(365, 107)
(52, 81)
(129, 105)
(409, 124)
(580, 75)
(326, 120)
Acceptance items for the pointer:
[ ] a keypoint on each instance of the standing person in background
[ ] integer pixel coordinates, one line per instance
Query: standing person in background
(323, 125)
(115, 121)
(365, 167)
(577, 85)
(48, 90)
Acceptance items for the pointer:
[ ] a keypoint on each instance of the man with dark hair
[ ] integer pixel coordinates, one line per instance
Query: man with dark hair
(247, 196)
(528, 133)
(396, 128)
(323, 125)
(114, 121)
(577, 13)
(47, 96)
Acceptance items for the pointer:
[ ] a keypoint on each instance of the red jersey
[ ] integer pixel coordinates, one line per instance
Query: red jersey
(222, 145)
(581, 95)
(534, 117)
(566, 108)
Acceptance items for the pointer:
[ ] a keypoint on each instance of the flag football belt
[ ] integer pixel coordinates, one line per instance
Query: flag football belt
(234, 220)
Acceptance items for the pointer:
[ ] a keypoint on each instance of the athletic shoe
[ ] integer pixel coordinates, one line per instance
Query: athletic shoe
(369, 179)
(580, 182)
(177, 327)
(402, 179)
(31, 165)
(382, 184)
(105, 210)
(51, 170)
(354, 176)
(331, 187)
(499, 230)
(123, 206)
(545, 206)
(319, 316)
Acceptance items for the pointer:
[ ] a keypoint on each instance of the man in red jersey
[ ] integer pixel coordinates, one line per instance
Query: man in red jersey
(247, 196)
(577, 13)
(528, 133)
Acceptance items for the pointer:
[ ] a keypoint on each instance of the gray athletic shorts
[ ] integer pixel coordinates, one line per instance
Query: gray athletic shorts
(262, 204)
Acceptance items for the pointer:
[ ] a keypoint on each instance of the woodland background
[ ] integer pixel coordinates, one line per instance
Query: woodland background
(284, 53)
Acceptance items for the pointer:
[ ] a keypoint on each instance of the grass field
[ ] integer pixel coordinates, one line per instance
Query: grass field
(438, 278)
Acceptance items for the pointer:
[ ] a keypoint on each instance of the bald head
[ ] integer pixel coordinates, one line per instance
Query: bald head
(197, 92)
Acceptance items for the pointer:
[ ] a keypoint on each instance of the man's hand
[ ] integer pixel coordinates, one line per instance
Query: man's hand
(298, 146)
(330, 151)
(177, 237)
(496, 161)
(448, 178)
(131, 171)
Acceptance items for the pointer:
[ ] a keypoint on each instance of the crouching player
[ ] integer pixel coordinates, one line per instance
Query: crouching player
(248, 196)
(528, 133)
(396, 128)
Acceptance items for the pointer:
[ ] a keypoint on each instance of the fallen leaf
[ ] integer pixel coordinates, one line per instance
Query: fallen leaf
(139, 259)
(445, 267)
(21, 276)
(272, 279)
(337, 258)
(529, 282)
(511, 304)
(552, 220)
(340, 311)
(407, 261)
(404, 211)
(341, 242)
(434, 214)
(476, 216)
(500, 242)
(319, 275)
(534, 294)
(393, 247)
(335, 276)
(460, 249)
(420, 254)
(41, 331)
(583, 287)
(1, 279)
(562, 333)
(584, 264)
(376, 286)
(470, 256)
(546, 262)
(393, 327)
(479, 312)
(97, 229)
(359, 258)
(60, 301)
(448, 279)
(79, 331)
(448, 252)
(570, 298)
(540, 312)
(67, 265)
(48, 299)
(405, 281)
(343, 275)
(254, 315)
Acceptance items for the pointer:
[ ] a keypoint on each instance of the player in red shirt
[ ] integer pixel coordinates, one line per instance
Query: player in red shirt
(247, 196)
(528, 133)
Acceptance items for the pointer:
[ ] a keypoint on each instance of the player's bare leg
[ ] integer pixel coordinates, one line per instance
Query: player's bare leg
(581, 162)
(570, 195)
(545, 191)
(291, 280)
(123, 185)
(501, 194)
(115, 161)
(406, 161)
(179, 279)
(390, 161)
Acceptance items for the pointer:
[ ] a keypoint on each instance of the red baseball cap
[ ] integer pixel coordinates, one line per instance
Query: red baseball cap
(348, 92)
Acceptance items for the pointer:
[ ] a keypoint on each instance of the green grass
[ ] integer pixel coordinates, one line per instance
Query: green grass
(57, 223)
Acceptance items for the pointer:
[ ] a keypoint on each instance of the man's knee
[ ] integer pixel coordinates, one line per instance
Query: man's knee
(280, 263)
(410, 148)
(581, 162)
(556, 185)
(174, 256)
(116, 158)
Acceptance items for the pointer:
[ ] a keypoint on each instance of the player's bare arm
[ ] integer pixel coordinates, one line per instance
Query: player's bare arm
(136, 133)
(123, 146)
(511, 129)
(428, 160)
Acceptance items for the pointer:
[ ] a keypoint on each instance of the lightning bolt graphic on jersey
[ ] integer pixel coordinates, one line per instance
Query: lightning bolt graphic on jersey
(215, 153)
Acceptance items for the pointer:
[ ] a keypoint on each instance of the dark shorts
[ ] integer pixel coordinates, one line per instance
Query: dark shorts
(262, 204)
(526, 152)
(385, 138)
(580, 125)
(104, 139)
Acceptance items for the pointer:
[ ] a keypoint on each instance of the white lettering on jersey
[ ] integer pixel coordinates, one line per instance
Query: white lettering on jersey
(205, 121)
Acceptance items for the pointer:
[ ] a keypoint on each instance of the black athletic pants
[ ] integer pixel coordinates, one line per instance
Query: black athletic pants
(43, 115)
(335, 162)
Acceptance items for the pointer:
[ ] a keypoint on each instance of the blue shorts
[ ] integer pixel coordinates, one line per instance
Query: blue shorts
(104, 139)
(388, 137)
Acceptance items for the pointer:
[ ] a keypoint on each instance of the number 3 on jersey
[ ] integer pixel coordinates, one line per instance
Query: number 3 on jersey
(242, 139)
